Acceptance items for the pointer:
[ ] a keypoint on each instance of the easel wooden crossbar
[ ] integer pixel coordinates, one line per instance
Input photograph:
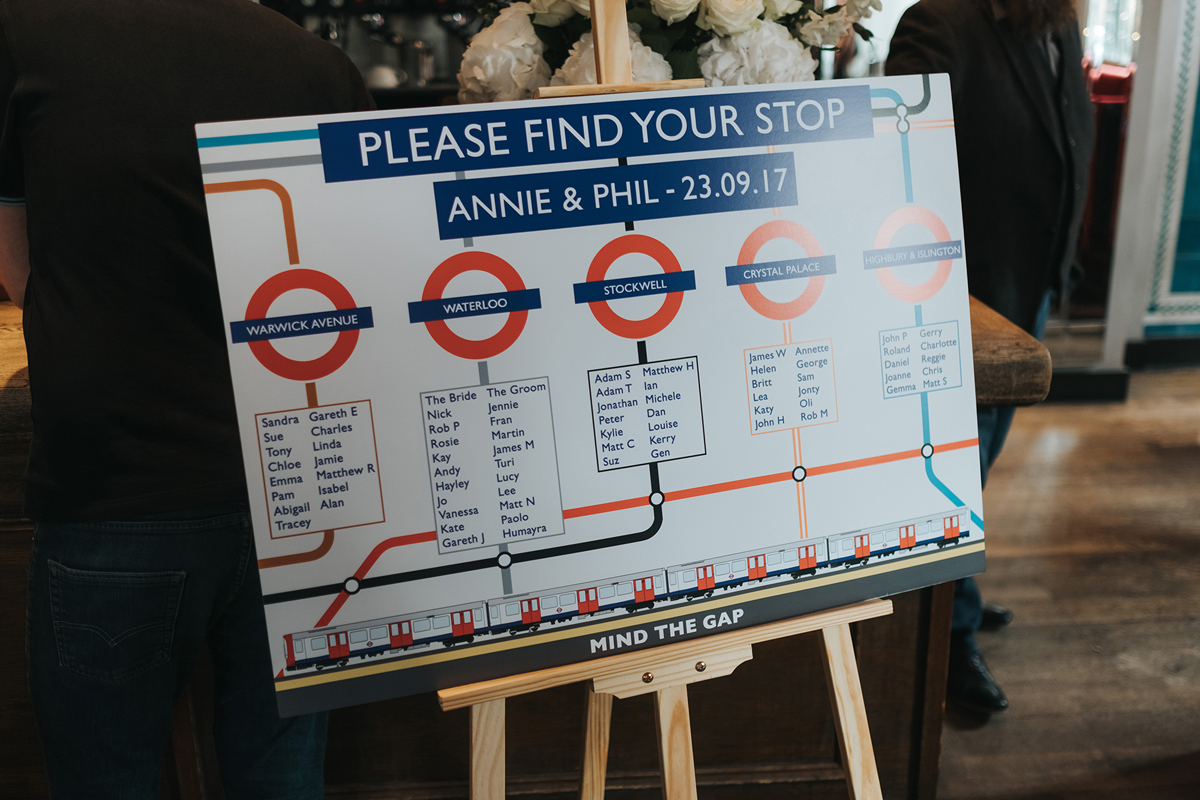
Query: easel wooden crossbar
(666, 671)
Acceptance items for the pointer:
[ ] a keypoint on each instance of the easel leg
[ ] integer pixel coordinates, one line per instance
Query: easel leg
(674, 725)
(595, 744)
(487, 750)
(850, 714)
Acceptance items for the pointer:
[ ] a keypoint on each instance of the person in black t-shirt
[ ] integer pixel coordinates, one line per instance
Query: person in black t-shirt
(1023, 126)
(143, 546)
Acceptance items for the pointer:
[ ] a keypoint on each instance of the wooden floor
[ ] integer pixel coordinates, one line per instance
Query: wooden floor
(1093, 539)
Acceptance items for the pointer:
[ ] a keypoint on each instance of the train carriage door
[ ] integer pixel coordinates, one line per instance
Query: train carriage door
(705, 578)
(291, 654)
(468, 622)
(338, 646)
(593, 600)
(951, 525)
(581, 601)
(400, 634)
(643, 590)
(757, 566)
(530, 613)
(862, 545)
(908, 536)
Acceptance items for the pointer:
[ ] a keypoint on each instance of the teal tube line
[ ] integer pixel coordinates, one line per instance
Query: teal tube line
(934, 479)
(257, 138)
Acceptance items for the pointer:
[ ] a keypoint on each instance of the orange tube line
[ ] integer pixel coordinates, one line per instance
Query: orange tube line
(285, 200)
(603, 508)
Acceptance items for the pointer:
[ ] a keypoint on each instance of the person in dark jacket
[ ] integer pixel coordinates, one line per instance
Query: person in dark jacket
(1023, 125)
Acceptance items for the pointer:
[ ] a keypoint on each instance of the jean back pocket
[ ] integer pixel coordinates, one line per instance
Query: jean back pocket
(113, 625)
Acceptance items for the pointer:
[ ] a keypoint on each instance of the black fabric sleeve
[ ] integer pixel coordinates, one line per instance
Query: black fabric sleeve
(12, 171)
(924, 42)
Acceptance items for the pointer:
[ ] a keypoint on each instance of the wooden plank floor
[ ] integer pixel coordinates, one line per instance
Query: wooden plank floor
(1093, 523)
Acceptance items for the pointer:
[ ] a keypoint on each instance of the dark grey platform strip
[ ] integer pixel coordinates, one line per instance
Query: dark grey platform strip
(261, 163)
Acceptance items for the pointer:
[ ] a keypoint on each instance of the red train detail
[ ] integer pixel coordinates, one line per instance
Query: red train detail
(705, 579)
(908, 536)
(808, 556)
(400, 634)
(951, 524)
(862, 545)
(756, 567)
(587, 600)
(530, 613)
(643, 590)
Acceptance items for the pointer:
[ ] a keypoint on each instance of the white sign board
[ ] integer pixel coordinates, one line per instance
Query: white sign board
(533, 383)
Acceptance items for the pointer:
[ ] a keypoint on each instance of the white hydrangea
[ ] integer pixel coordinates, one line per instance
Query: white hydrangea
(727, 17)
(768, 54)
(580, 66)
(584, 7)
(504, 61)
(675, 10)
(862, 9)
(553, 13)
(824, 30)
(781, 8)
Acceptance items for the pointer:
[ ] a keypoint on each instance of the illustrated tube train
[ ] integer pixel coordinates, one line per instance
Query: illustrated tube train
(451, 625)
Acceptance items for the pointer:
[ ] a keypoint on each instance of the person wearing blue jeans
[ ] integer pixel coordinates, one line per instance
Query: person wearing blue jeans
(118, 612)
(1023, 130)
(143, 549)
(971, 684)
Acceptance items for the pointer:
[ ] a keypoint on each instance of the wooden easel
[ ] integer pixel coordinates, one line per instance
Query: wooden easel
(666, 671)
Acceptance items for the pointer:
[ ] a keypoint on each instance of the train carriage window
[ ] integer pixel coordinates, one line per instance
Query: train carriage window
(922, 528)
(722, 569)
(441, 622)
(550, 601)
(317, 643)
(876, 538)
(790, 555)
(658, 584)
(495, 612)
(566, 599)
(672, 578)
(512, 610)
(298, 646)
(689, 575)
(358, 636)
(533, 604)
(395, 629)
(457, 618)
(624, 589)
(378, 633)
(607, 592)
(420, 625)
(478, 615)
(847, 545)
(773, 558)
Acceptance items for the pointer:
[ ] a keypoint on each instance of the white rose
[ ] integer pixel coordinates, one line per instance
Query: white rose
(727, 17)
(781, 8)
(504, 61)
(580, 66)
(553, 13)
(862, 9)
(584, 7)
(675, 10)
(768, 54)
(824, 30)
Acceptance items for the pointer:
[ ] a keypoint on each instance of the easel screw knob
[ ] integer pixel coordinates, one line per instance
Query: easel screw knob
(647, 677)
(701, 666)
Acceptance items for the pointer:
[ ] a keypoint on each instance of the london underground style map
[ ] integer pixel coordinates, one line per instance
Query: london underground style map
(527, 384)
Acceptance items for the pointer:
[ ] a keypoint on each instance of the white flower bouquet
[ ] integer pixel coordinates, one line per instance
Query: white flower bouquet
(526, 45)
